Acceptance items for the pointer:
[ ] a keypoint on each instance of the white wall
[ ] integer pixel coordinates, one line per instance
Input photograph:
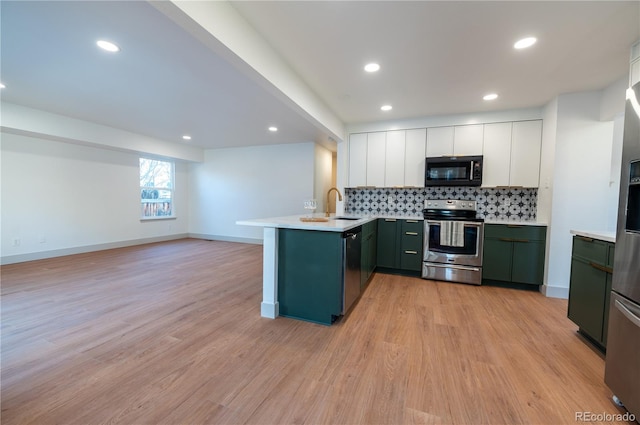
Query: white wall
(322, 177)
(250, 182)
(581, 176)
(61, 198)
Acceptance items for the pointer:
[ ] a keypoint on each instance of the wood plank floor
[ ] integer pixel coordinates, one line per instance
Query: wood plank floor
(171, 333)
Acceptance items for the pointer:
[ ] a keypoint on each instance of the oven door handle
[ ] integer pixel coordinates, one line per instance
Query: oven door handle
(466, 223)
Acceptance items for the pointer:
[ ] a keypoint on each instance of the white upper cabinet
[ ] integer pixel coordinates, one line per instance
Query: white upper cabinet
(376, 158)
(358, 160)
(415, 152)
(395, 166)
(526, 143)
(440, 141)
(496, 151)
(467, 139)
(634, 75)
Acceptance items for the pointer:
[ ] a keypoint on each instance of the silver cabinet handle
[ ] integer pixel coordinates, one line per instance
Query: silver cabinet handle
(389, 219)
(411, 233)
(412, 221)
(628, 314)
(411, 252)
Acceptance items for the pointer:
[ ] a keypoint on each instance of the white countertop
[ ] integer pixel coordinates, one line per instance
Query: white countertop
(293, 222)
(516, 222)
(607, 236)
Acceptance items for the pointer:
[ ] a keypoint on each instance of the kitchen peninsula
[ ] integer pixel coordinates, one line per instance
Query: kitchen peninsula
(305, 262)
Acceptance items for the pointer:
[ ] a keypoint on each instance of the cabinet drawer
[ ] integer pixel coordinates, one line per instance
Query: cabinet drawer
(413, 226)
(411, 259)
(519, 233)
(590, 249)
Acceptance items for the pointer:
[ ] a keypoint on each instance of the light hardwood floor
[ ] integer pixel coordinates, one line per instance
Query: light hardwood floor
(171, 333)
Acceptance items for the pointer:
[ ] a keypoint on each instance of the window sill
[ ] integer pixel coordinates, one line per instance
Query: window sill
(168, 217)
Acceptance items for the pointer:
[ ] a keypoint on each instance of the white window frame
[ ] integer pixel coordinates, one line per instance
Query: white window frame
(156, 189)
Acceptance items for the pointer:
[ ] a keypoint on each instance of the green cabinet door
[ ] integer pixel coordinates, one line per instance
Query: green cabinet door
(528, 262)
(388, 243)
(586, 297)
(368, 253)
(607, 301)
(497, 260)
(310, 275)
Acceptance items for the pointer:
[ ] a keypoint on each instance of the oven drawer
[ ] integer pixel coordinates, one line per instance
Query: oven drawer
(452, 273)
(514, 232)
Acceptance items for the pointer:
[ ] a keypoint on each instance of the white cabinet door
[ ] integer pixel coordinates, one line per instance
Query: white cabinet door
(467, 139)
(415, 152)
(526, 142)
(394, 167)
(358, 160)
(496, 151)
(440, 141)
(376, 152)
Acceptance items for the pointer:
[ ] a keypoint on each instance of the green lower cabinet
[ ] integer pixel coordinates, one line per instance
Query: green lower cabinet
(590, 287)
(368, 253)
(400, 245)
(514, 254)
(496, 260)
(388, 243)
(528, 262)
(586, 297)
(411, 245)
(310, 275)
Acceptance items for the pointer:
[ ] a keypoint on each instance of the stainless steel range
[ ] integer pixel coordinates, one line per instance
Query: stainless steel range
(452, 241)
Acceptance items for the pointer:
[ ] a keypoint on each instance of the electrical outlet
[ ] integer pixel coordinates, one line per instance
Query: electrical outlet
(15, 242)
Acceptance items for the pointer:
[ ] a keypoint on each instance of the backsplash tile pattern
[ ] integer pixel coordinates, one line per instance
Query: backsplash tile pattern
(493, 204)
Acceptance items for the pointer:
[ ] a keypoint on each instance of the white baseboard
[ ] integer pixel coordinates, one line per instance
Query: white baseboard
(270, 310)
(41, 255)
(225, 238)
(555, 291)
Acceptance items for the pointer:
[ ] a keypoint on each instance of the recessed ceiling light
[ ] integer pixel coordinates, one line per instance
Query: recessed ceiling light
(186, 137)
(386, 107)
(2, 86)
(273, 129)
(372, 67)
(491, 96)
(108, 46)
(525, 42)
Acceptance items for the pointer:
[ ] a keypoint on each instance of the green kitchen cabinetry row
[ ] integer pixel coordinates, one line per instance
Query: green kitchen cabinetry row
(590, 287)
(513, 254)
(400, 245)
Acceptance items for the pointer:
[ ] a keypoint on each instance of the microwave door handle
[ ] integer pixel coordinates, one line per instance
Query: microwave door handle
(471, 171)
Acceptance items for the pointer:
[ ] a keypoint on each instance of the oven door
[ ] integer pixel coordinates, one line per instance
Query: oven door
(470, 254)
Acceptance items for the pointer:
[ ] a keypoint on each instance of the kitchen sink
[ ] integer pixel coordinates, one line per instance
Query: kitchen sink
(346, 218)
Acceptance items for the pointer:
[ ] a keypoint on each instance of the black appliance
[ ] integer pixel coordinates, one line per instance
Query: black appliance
(622, 365)
(453, 238)
(453, 171)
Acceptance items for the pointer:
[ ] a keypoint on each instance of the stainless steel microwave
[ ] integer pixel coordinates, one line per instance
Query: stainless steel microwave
(453, 171)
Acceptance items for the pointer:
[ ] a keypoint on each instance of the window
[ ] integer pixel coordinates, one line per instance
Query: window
(156, 188)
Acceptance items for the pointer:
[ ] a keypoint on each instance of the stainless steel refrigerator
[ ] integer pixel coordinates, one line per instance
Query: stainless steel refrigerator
(622, 366)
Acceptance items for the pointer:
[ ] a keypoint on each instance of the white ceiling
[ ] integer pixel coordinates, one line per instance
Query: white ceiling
(436, 57)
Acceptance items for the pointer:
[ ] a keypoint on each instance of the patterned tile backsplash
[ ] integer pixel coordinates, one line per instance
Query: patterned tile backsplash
(493, 204)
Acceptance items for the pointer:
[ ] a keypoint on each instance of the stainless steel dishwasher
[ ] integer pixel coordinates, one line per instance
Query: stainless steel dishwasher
(351, 249)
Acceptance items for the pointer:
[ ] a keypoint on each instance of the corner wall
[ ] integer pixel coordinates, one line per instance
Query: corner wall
(61, 198)
(244, 183)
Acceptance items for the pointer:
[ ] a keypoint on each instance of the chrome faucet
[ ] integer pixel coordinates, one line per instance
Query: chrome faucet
(329, 194)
